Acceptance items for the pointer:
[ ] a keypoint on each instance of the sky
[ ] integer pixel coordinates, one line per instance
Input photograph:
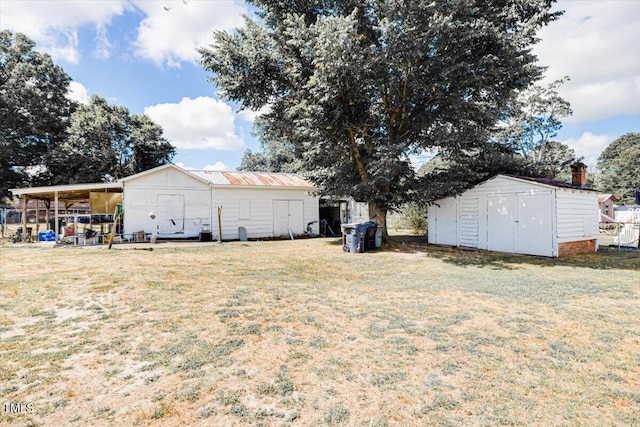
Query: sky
(142, 54)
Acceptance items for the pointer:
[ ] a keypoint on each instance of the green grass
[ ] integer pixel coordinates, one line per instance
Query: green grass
(300, 333)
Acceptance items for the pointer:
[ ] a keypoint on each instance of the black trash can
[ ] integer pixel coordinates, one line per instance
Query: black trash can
(370, 236)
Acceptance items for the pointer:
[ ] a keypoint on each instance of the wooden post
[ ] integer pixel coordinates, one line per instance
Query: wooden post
(24, 218)
(219, 224)
(37, 217)
(56, 227)
(112, 235)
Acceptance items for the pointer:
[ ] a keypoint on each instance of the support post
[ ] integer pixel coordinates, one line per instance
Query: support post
(37, 217)
(24, 218)
(56, 227)
(219, 224)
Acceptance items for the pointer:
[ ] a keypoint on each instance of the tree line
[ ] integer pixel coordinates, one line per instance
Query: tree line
(47, 139)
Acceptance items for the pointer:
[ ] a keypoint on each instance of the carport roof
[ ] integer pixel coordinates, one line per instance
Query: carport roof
(77, 192)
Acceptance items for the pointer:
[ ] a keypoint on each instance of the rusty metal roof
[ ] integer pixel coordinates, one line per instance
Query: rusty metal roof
(253, 179)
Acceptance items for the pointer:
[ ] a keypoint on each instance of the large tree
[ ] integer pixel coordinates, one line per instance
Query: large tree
(619, 165)
(534, 119)
(34, 110)
(357, 86)
(105, 142)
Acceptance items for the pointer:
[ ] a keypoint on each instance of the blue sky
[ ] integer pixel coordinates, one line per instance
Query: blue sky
(138, 54)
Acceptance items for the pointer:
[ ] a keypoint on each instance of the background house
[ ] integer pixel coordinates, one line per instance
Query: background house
(606, 203)
(519, 215)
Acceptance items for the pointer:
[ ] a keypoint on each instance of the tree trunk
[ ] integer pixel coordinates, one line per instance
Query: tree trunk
(379, 214)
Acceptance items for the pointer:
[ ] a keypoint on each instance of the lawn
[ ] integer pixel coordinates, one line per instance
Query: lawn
(301, 334)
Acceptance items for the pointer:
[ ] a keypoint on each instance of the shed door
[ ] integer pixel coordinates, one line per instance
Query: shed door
(535, 230)
(447, 224)
(520, 223)
(170, 216)
(288, 215)
(501, 223)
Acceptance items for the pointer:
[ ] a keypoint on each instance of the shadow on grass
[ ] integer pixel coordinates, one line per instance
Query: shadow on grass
(605, 259)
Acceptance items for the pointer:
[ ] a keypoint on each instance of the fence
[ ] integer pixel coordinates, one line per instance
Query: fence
(621, 235)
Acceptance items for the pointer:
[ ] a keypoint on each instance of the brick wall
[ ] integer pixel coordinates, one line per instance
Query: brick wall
(579, 247)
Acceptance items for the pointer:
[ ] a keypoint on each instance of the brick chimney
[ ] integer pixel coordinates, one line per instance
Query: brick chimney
(579, 175)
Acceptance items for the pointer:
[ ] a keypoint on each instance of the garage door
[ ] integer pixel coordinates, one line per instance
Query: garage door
(520, 223)
(288, 216)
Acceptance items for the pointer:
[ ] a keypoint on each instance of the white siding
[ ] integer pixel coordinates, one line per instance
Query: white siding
(140, 198)
(577, 215)
(260, 224)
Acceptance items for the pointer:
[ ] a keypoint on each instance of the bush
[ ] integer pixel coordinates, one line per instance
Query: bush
(412, 217)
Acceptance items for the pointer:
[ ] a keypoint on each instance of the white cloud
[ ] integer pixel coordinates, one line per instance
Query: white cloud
(103, 44)
(595, 44)
(251, 115)
(53, 25)
(172, 36)
(590, 146)
(77, 92)
(197, 124)
(217, 166)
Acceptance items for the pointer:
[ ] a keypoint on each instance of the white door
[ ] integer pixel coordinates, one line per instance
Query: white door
(501, 223)
(288, 217)
(280, 218)
(447, 223)
(296, 217)
(535, 231)
(520, 223)
(170, 213)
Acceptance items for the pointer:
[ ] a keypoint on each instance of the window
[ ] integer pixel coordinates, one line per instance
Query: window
(244, 209)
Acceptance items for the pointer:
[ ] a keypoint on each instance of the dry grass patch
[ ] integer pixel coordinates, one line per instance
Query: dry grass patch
(299, 333)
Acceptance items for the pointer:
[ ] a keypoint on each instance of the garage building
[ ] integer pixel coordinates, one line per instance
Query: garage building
(523, 215)
(172, 202)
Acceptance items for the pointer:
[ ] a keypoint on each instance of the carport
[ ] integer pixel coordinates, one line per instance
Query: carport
(97, 194)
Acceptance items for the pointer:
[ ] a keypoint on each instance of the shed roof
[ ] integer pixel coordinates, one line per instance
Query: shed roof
(253, 179)
(550, 182)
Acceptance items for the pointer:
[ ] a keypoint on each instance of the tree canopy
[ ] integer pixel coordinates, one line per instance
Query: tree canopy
(46, 139)
(619, 165)
(357, 86)
(105, 142)
(34, 110)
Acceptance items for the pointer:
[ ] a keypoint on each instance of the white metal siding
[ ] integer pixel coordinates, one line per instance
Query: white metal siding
(140, 198)
(578, 214)
(261, 222)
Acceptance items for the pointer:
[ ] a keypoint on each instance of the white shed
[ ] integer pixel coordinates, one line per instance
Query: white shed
(518, 215)
(184, 202)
